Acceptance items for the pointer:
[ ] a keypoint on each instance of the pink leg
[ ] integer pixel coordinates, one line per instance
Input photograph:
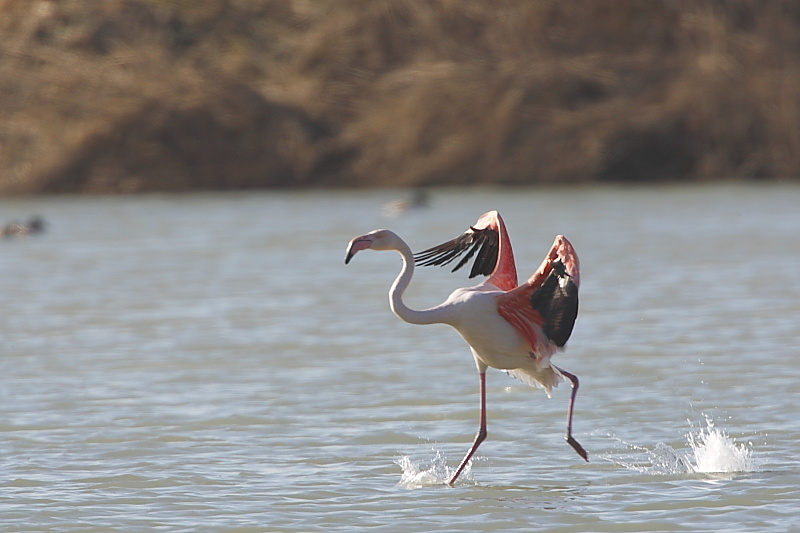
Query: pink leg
(481, 430)
(570, 440)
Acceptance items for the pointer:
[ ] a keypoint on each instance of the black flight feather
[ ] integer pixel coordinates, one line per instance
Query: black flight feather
(484, 242)
(557, 301)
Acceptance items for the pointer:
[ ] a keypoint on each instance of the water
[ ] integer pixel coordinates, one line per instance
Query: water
(208, 363)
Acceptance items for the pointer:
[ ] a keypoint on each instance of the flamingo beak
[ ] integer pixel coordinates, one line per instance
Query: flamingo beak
(355, 246)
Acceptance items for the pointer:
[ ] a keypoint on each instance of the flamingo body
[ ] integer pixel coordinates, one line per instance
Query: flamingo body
(514, 328)
(494, 341)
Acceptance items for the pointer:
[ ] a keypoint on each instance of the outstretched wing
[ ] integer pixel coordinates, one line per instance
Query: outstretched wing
(489, 240)
(549, 299)
(485, 241)
(556, 300)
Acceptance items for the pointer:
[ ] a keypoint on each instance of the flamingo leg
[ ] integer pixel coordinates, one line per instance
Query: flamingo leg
(481, 430)
(569, 438)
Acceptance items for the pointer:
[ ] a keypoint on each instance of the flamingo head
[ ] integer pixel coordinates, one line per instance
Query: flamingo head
(380, 239)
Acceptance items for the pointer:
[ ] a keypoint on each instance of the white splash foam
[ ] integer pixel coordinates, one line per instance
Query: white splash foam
(438, 473)
(711, 451)
(715, 452)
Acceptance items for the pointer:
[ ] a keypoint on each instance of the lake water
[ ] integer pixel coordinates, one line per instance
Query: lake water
(208, 363)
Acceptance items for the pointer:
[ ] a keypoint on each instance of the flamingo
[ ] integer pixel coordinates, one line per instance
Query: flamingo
(511, 327)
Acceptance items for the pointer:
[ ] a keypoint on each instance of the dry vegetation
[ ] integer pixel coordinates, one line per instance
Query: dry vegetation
(146, 95)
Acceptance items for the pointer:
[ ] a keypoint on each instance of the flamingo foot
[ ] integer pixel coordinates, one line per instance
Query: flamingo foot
(577, 447)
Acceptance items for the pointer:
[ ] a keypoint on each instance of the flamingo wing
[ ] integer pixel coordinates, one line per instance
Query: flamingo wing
(549, 299)
(489, 240)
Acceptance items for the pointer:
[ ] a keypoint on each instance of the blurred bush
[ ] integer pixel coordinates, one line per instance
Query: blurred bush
(110, 96)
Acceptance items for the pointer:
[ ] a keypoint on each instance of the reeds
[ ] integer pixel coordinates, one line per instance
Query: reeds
(138, 95)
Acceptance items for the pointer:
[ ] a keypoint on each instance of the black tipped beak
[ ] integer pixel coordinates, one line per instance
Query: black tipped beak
(351, 251)
(356, 245)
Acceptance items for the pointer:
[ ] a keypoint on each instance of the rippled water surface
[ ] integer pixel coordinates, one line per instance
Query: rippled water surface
(208, 363)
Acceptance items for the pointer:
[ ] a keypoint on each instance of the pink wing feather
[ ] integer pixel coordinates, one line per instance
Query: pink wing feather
(548, 301)
(489, 239)
(504, 275)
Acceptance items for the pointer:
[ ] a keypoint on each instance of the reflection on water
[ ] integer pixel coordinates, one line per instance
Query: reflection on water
(208, 362)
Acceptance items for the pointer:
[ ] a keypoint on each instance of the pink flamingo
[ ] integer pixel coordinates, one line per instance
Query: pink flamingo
(515, 328)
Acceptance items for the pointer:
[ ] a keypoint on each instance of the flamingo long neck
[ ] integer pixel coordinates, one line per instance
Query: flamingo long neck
(434, 315)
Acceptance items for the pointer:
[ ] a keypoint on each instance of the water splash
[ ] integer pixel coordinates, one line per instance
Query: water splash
(710, 451)
(437, 473)
(715, 452)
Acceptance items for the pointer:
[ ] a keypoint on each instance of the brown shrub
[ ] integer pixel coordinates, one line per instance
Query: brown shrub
(136, 95)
